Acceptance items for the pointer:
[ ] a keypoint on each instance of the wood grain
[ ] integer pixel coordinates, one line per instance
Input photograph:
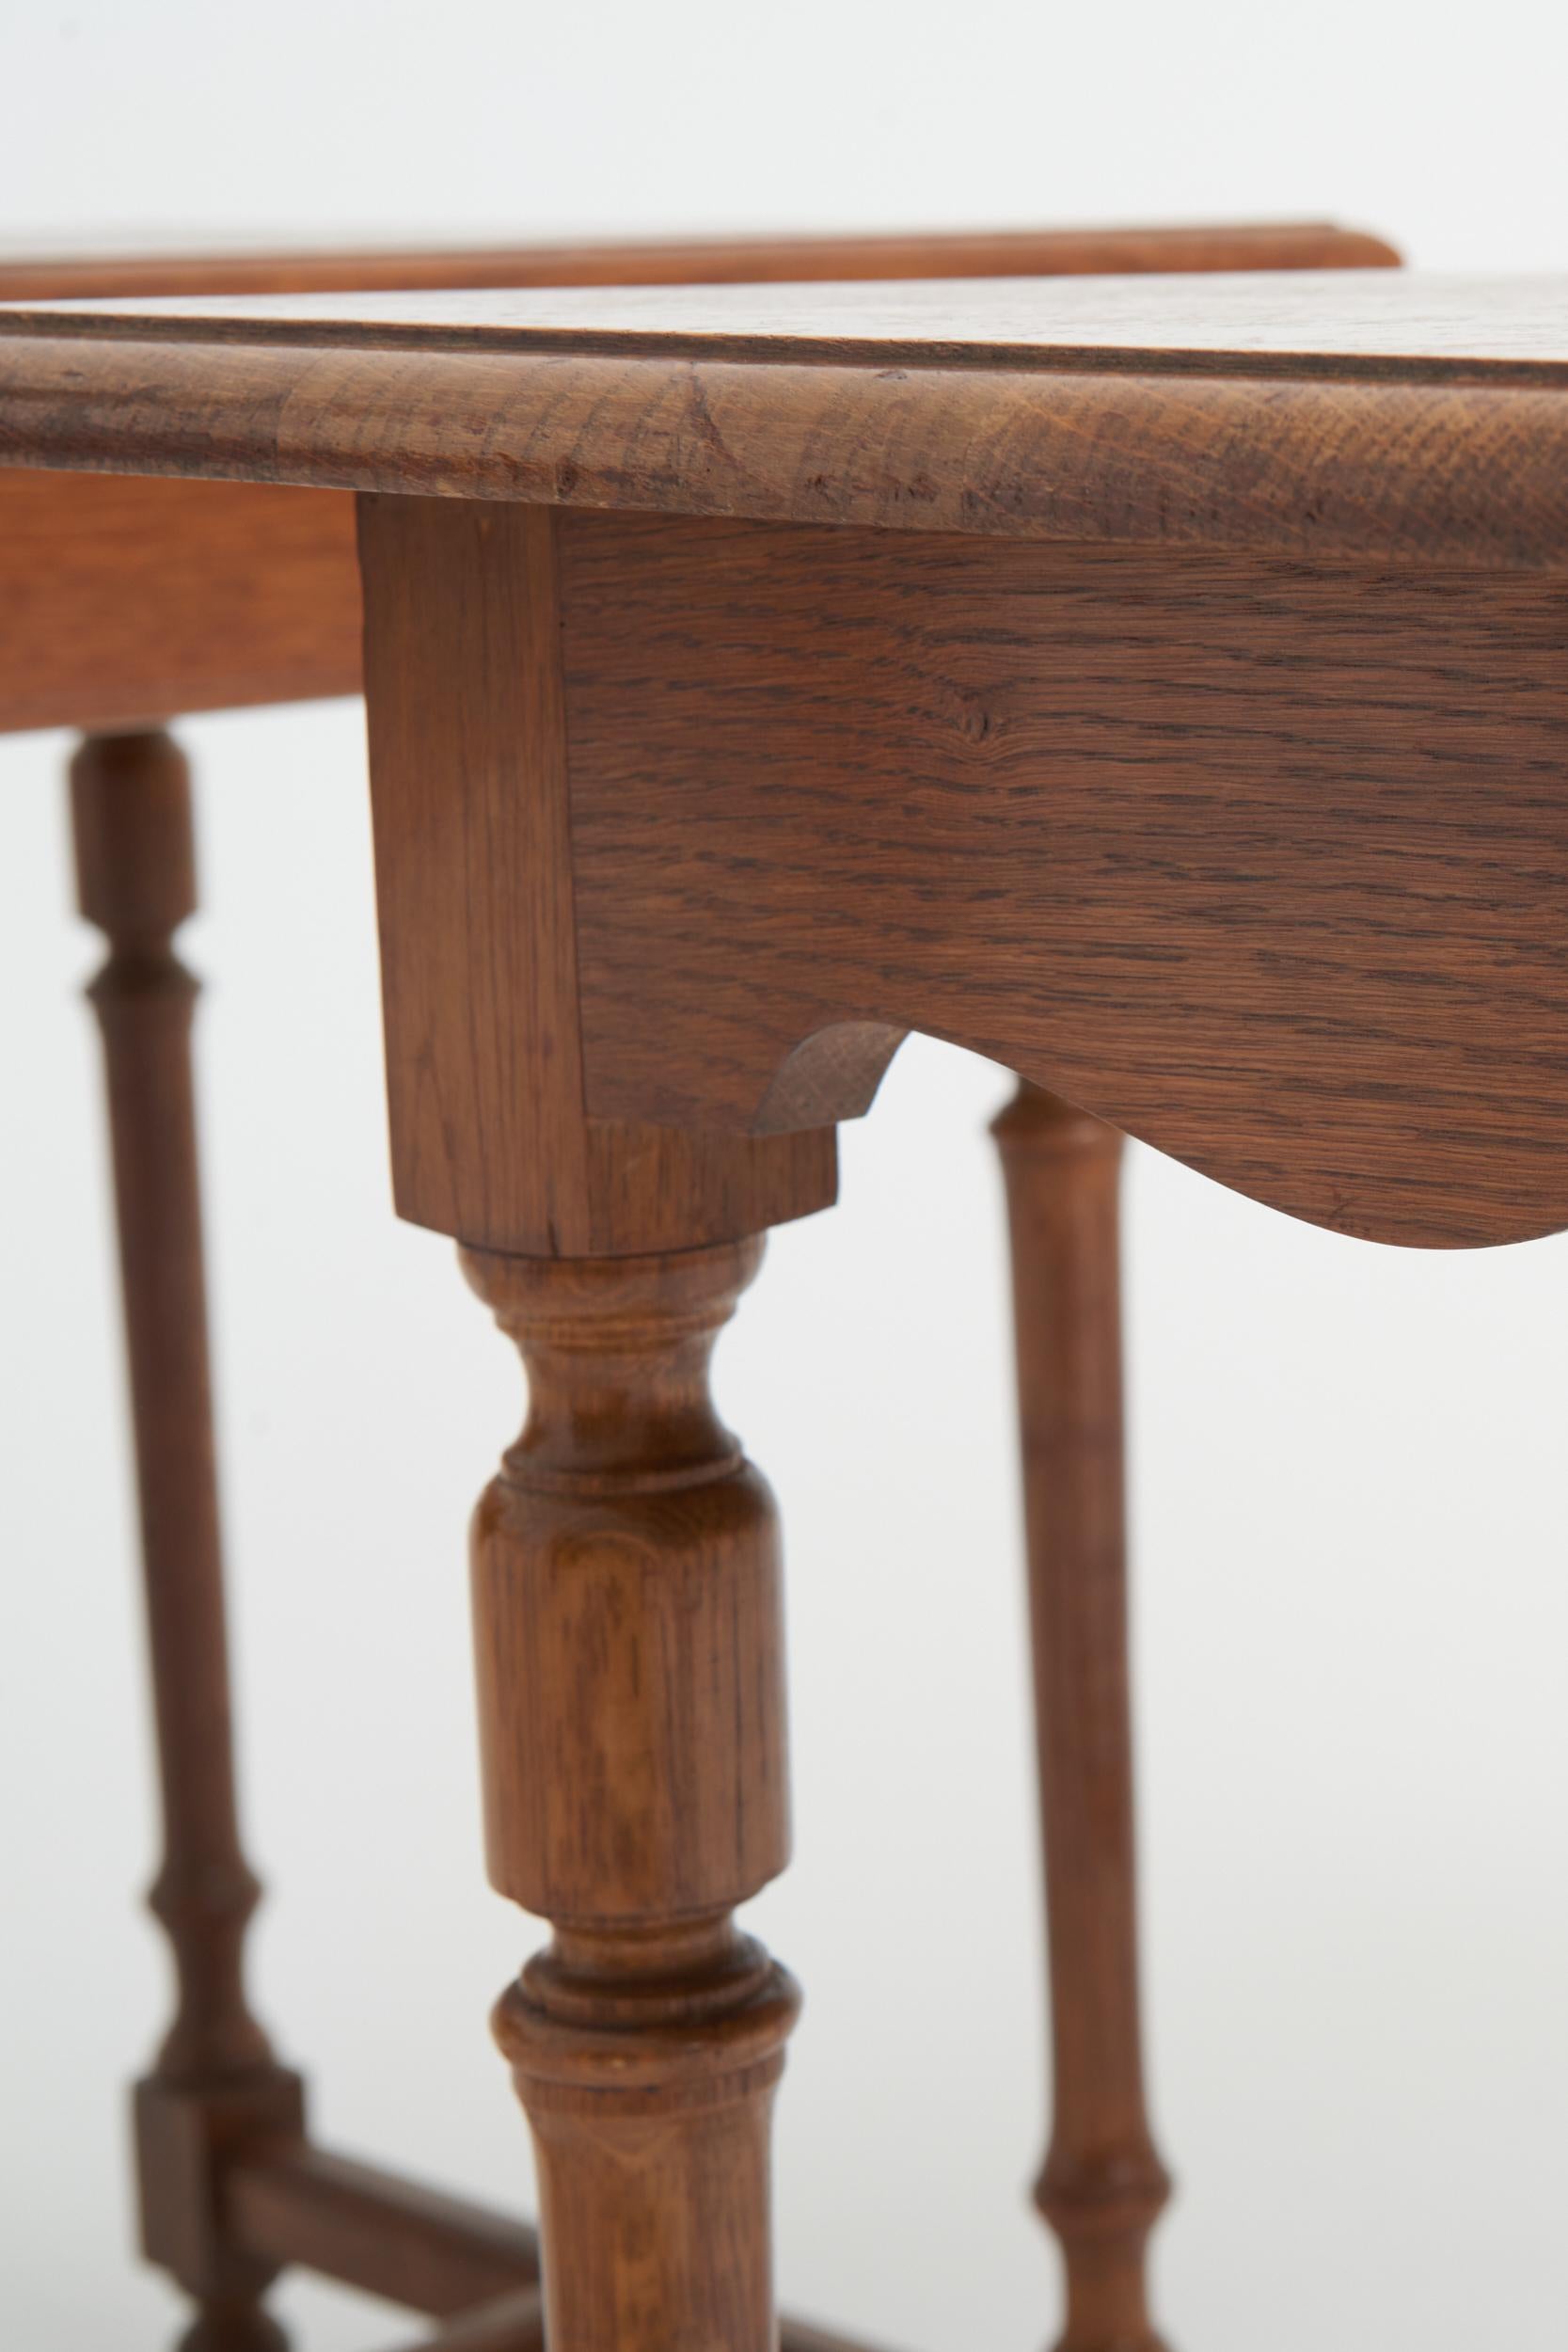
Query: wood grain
(126, 601)
(746, 261)
(625, 1579)
(286, 2202)
(626, 1562)
(489, 1134)
(1103, 2186)
(468, 760)
(135, 870)
(1404, 327)
(1262, 864)
(289, 2203)
(121, 605)
(1442, 474)
(216, 2083)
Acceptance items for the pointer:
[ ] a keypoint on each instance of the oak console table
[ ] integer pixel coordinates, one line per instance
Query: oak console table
(1156, 686)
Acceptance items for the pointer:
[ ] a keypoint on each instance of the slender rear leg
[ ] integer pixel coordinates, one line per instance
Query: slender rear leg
(1102, 2185)
(216, 2079)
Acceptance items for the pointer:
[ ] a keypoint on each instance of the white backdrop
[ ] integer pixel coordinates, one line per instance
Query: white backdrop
(1349, 1495)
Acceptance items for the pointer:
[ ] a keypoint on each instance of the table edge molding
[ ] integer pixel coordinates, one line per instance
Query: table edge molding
(1455, 474)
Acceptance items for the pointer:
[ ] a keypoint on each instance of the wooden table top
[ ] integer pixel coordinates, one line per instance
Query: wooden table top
(1259, 859)
(30, 275)
(128, 599)
(1406, 326)
(1385, 414)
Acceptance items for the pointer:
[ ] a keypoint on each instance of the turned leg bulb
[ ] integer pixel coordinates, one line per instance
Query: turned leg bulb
(626, 1568)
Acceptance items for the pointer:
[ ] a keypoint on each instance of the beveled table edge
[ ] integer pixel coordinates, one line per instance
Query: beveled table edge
(1452, 473)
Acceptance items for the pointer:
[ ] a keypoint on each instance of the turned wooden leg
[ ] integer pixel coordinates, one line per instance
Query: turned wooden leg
(626, 1560)
(216, 2078)
(1102, 2185)
(626, 1597)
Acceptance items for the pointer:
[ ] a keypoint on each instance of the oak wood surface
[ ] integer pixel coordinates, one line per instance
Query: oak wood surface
(626, 1584)
(646, 2042)
(125, 601)
(976, 253)
(135, 863)
(122, 606)
(1264, 863)
(290, 2202)
(216, 2083)
(490, 1136)
(1102, 2185)
(1403, 326)
(119, 607)
(286, 2202)
(128, 603)
(1434, 430)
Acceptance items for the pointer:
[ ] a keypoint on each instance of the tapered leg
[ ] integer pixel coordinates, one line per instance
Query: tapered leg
(215, 2077)
(627, 1601)
(1102, 2185)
